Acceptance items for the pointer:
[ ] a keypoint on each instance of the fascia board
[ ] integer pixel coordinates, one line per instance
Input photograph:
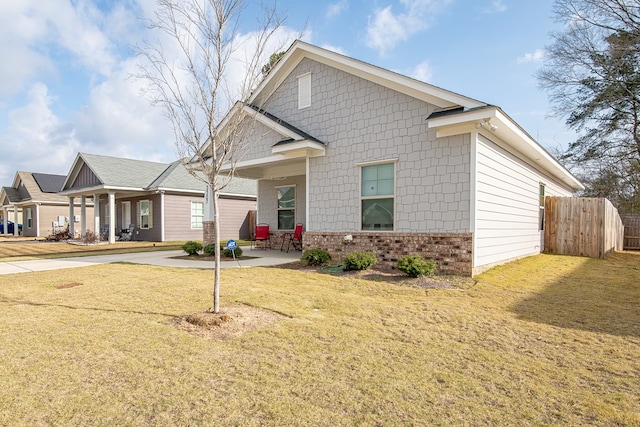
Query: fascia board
(299, 50)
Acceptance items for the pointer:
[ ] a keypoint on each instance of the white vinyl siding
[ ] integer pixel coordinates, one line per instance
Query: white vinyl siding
(507, 205)
(304, 91)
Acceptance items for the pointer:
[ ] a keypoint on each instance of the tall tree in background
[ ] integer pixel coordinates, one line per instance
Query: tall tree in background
(201, 66)
(592, 75)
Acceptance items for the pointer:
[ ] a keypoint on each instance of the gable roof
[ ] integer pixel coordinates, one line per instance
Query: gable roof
(119, 173)
(300, 50)
(29, 187)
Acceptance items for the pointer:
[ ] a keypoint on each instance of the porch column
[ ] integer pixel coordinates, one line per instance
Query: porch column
(162, 216)
(71, 215)
(83, 216)
(15, 220)
(37, 219)
(112, 216)
(96, 215)
(5, 221)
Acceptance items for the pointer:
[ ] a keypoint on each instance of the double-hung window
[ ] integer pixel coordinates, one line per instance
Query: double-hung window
(286, 208)
(377, 196)
(145, 214)
(29, 218)
(197, 214)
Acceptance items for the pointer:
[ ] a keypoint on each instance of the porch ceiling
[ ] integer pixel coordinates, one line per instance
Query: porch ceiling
(273, 167)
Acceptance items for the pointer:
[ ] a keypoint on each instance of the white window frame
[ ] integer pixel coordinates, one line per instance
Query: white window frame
(29, 217)
(361, 166)
(195, 224)
(304, 91)
(278, 208)
(150, 215)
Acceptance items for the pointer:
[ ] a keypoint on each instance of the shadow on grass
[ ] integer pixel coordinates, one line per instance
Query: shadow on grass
(12, 301)
(602, 296)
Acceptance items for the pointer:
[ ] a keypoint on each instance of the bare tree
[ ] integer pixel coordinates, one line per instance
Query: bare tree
(592, 75)
(195, 71)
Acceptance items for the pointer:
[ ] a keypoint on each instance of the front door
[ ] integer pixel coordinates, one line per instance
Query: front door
(126, 214)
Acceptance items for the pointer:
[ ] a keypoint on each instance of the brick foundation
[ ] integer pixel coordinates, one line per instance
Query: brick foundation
(208, 233)
(453, 252)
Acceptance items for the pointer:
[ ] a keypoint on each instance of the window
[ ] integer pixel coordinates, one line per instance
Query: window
(197, 214)
(145, 214)
(286, 208)
(29, 218)
(304, 91)
(541, 209)
(377, 196)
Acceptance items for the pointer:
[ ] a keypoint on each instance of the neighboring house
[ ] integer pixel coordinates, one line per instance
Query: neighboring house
(34, 198)
(400, 166)
(161, 201)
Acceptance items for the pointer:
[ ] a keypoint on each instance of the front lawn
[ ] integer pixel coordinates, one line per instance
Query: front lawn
(548, 340)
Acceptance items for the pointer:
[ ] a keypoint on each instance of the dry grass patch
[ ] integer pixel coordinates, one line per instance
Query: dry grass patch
(29, 250)
(507, 351)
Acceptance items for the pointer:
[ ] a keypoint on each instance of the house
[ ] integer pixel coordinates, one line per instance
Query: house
(368, 159)
(34, 202)
(160, 201)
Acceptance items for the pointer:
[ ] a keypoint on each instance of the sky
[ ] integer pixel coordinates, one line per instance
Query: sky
(66, 82)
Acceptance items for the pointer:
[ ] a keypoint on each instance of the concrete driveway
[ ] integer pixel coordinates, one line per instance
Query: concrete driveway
(261, 258)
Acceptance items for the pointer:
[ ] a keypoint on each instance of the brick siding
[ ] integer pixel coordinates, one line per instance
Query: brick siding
(453, 252)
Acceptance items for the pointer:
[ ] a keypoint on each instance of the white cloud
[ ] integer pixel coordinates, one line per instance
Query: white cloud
(36, 140)
(387, 29)
(422, 72)
(535, 56)
(335, 9)
(336, 49)
(497, 6)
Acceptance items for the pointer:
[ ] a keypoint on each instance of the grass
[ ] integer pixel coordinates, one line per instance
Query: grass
(547, 340)
(30, 250)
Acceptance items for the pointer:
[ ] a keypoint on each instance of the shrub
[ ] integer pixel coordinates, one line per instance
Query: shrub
(228, 253)
(210, 250)
(90, 237)
(416, 266)
(315, 256)
(357, 260)
(192, 248)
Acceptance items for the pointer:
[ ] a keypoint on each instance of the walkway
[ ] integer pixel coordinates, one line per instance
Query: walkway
(263, 258)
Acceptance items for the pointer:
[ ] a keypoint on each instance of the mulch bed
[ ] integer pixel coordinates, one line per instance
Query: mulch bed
(390, 276)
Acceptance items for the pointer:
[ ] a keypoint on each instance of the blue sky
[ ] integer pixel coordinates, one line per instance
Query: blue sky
(65, 85)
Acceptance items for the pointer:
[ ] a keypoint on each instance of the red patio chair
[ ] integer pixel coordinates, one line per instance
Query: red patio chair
(262, 235)
(294, 238)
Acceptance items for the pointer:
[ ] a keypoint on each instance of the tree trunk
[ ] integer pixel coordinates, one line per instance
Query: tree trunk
(216, 271)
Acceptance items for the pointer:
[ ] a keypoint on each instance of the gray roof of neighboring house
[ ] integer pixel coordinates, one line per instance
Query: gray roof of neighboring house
(49, 183)
(121, 172)
(12, 194)
(176, 176)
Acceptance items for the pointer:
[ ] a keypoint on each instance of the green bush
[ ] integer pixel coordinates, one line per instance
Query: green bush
(192, 248)
(209, 250)
(416, 266)
(227, 252)
(357, 260)
(315, 256)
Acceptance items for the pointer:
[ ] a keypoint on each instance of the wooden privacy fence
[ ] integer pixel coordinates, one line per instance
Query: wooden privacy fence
(631, 232)
(581, 226)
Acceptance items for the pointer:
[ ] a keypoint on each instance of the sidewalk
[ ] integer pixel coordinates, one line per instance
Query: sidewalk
(263, 258)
